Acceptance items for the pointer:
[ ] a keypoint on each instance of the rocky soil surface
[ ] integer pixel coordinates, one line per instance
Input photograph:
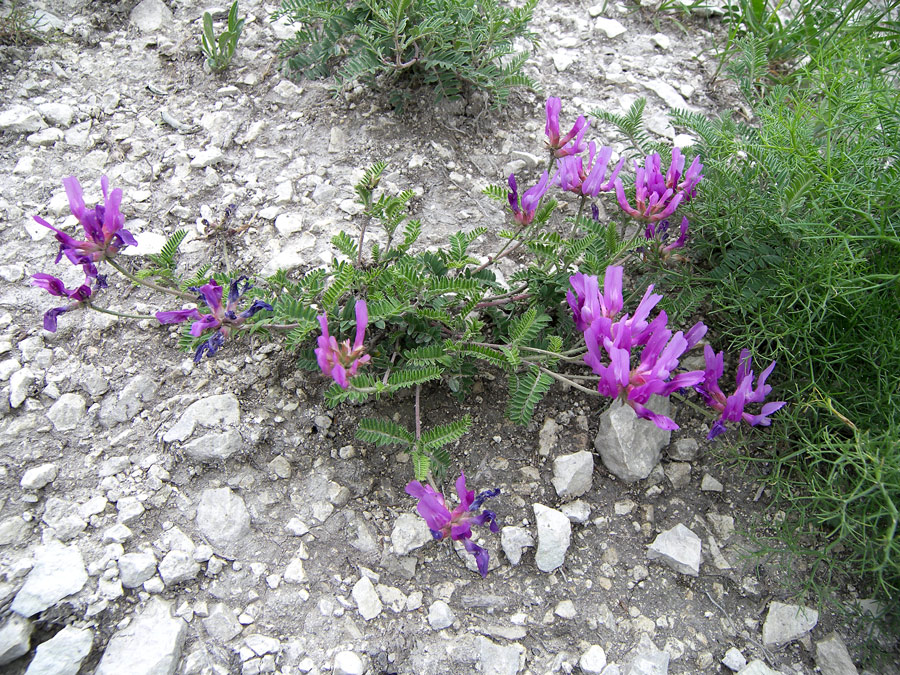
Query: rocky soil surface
(164, 517)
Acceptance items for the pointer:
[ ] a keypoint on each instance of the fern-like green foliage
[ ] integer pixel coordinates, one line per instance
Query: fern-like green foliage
(447, 45)
(162, 264)
(383, 432)
(525, 392)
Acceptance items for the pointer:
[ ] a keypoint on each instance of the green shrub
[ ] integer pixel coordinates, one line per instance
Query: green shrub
(447, 45)
(799, 233)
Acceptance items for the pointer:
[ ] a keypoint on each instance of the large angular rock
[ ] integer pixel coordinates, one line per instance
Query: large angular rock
(214, 447)
(67, 412)
(223, 518)
(150, 645)
(409, 533)
(572, 474)
(221, 623)
(832, 656)
(678, 548)
(367, 600)
(514, 540)
(15, 638)
(212, 412)
(57, 573)
(63, 653)
(629, 446)
(500, 659)
(151, 15)
(554, 534)
(20, 119)
(787, 622)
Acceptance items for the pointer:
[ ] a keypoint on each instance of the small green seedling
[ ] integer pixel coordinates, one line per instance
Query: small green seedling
(219, 52)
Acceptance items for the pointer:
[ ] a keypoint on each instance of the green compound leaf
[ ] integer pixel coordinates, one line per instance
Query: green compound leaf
(445, 433)
(421, 466)
(383, 432)
(525, 391)
(526, 327)
(409, 377)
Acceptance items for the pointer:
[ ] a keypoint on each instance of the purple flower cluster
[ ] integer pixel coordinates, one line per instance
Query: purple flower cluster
(612, 340)
(637, 357)
(338, 360)
(103, 225)
(657, 195)
(573, 176)
(105, 236)
(732, 407)
(456, 524)
(221, 319)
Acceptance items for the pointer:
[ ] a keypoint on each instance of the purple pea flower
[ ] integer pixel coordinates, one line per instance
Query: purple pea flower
(732, 407)
(657, 196)
(560, 147)
(586, 302)
(530, 199)
(223, 317)
(456, 524)
(654, 373)
(338, 360)
(573, 176)
(55, 286)
(103, 225)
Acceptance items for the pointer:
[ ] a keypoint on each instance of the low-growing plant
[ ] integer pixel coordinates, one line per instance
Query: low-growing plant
(20, 26)
(219, 51)
(419, 316)
(445, 45)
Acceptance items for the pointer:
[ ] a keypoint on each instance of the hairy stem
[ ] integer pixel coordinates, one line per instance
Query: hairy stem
(149, 284)
(103, 310)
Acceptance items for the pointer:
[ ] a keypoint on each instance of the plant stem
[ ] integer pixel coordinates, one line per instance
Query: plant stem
(578, 215)
(502, 300)
(149, 284)
(564, 379)
(418, 417)
(527, 349)
(103, 310)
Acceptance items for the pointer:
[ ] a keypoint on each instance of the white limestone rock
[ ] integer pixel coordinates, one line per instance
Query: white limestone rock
(514, 540)
(150, 645)
(593, 661)
(151, 15)
(679, 548)
(409, 533)
(177, 567)
(832, 656)
(554, 534)
(136, 568)
(366, 597)
(610, 27)
(212, 412)
(38, 477)
(440, 615)
(629, 446)
(20, 119)
(58, 572)
(63, 653)
(15, 638)
(573, 474)
(787, 622)
(223, 518)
